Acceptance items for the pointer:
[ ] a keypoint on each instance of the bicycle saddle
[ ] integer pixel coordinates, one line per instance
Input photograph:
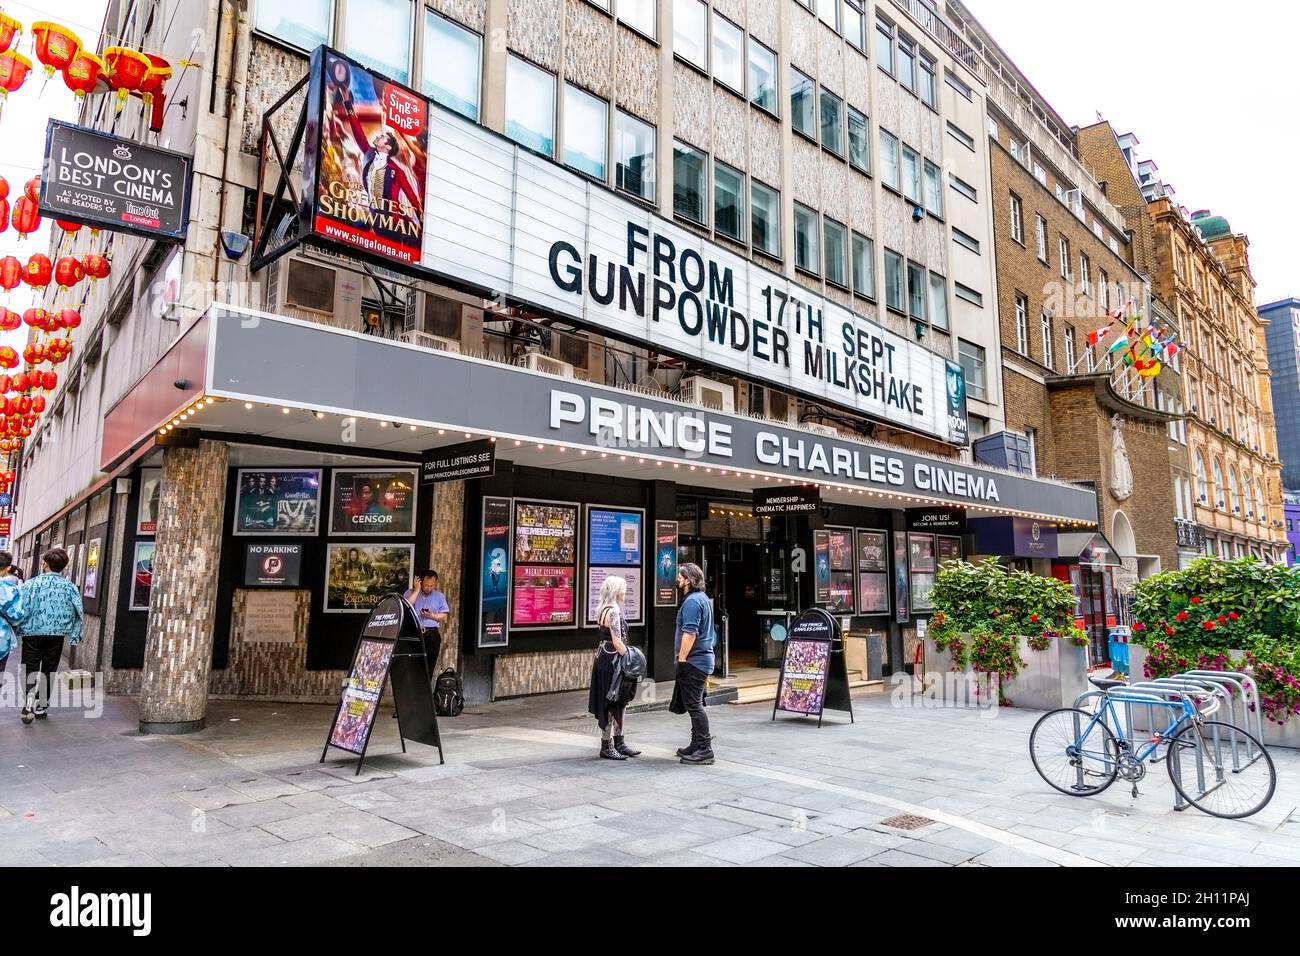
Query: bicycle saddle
(1106, 683)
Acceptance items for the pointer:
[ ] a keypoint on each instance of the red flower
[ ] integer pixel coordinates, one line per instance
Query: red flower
(1196, 600)
(1139, 626)
(1182, 615)
(1033, 617)
(1233, 614)
(1209, 625)
(1223, 619)
(1169, 631)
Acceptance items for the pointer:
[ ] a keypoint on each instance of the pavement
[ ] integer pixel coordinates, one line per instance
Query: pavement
(903, 785)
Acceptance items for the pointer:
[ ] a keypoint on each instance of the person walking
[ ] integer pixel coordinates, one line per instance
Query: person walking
(11, 608)
(693, 646)
(53, 606)
(609, 714)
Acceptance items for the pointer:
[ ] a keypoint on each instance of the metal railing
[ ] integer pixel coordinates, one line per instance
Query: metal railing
(938, 27)
(1189, 534)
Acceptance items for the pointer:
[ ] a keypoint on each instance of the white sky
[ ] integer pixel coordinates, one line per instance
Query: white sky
(22, 129)
(1210, 90)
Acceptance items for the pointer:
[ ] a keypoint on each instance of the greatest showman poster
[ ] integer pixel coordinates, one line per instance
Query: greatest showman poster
(370, 166)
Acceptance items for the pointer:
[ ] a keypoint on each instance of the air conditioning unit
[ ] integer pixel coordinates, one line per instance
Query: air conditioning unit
(706, 393)
(828, 430)
(425, 340)
(541, 362)
(303, 286)
(779, 407)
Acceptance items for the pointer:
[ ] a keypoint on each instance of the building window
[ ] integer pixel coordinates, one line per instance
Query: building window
(859, 141)
(1085, 273)
(806, 252)
(634, 156)
(1202, 484)
(929, 93)
(1041, 175)
(691, 31)
(917, 290)
(832, 123)
(729, 202)
(911, 175)
(995, 134)
(971, 357)
(967, 294)
(836, 269)
(304, 23)
(530, 106)
(828, 11)
(765, 205)
(762, 76)
(378, 34)
(952, 80)
(889, 174)
(1219, 487)
(803, 108)
(906, 63)
(885, 45)
(1103, 288)
(1063, 250)
(1040, 237)
(893, 281)
(690, 184)
(585, 131)
(728, 53)
(1234, 492)
(1069, 348)
(933, 189)
(961, 136)
(1022, 325)
(1045, 326)
(1017, 219)
(938, 301)
(964, 188)
(855, 23)
(966, 240)
(864, 266)
(458, 52)
(640, 15)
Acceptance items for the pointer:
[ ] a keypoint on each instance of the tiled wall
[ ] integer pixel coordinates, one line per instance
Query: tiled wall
(541, 673)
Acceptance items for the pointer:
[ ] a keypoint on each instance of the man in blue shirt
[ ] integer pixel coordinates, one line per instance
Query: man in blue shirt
(432, 609)
(693, 650)
(53, 606)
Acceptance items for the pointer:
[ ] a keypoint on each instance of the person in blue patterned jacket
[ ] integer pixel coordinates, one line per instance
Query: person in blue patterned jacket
(54, 608)
(11, 608)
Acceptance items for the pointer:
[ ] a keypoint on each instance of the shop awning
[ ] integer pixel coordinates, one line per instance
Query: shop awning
(1088, 547)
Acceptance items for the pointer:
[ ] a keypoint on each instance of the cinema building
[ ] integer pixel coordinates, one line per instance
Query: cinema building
(625, 292)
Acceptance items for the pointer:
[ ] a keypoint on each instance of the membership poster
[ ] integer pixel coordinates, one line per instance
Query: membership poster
(544, 578)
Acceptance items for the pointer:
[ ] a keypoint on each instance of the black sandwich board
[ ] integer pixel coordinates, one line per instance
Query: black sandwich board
(814, 672)
(390, 647)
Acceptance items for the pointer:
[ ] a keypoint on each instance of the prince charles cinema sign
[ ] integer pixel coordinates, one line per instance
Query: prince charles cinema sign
(412, 185)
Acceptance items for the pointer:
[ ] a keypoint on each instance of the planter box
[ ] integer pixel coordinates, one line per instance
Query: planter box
(1049, 679)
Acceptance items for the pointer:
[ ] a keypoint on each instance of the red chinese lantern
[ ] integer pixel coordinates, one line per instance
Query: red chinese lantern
(11, 273)
(56, 46)
(48, 380)
(126, 69)
(38, 403)
(4, 387)
(9, 320)
(35, 317)
(8, 357)
(21, 383)
(68, 319)
(14, 68)
(4, 214)
(160, 71)
(9, 31)
(26, 217)
(68, 226)
(32, 189)
(38, 271)
(96, 266)
(82, 73)
(25, 405)
(4, 183)
(34, 354)
(68, 271)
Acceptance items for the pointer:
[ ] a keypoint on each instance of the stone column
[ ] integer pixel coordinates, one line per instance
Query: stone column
(447, 557)
(183, 602)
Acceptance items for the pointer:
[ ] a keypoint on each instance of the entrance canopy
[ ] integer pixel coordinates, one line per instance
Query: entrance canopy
(1089, 548)
(304, 384)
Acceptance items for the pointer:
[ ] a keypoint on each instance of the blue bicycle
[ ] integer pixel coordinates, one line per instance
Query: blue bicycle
(1216, 767)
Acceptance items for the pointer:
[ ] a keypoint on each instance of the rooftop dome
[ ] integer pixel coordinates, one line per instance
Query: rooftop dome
(1211, 227)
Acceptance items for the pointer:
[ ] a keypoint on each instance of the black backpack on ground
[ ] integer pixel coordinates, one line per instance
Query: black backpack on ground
(448, 694)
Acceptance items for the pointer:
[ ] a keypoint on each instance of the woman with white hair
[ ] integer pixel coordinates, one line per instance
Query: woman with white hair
(613, 645)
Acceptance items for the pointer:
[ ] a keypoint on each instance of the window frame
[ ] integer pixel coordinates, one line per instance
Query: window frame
(530, 67)
(1071, 349)
(1040, 239)
(815, 218)
(916, 180)
(905, 48)
(1021, 313)
(1045, 333)
(653, 198)
(937, 194)
(327, 38)
(775, 230)
(742, 54)
(927, 66)
(775, 109)
(967, 294)
(867, 289)
(1017, 219)
(963, 188)
(815, 134)
(705, 45)
(653, 33)
(1063, 251)
(923, 294)
(850, 114)
(845, 280)
(405, 78)
(706, 203)
(946, 325)
(966, 241)
(883, 136)
(979, 362)
(605, 138)
(425, 34)
(901, 262)
(824, 94)
(742, 194)
(884, 28)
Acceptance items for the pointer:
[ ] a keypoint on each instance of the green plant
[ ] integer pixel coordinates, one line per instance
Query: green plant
(982, 610)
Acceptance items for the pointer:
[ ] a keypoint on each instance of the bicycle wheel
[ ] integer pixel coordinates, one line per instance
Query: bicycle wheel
(1073, 757)
(1221, 770)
